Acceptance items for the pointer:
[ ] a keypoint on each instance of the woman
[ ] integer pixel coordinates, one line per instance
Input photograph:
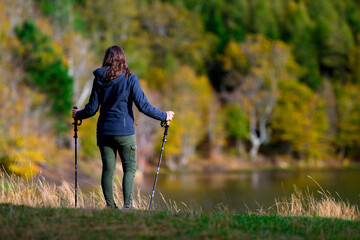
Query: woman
(115, 89)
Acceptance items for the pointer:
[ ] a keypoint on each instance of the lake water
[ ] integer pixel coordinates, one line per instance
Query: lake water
(251, 189)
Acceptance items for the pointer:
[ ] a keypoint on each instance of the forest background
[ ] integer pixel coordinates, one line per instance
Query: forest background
(251, 81)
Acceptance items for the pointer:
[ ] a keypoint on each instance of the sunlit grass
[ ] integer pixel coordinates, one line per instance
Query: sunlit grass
(305, 204)
(37, 192)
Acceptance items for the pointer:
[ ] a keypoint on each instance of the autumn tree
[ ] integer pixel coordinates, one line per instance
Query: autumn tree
(333, 36)
(354, 61)
(46, 70)
(255, 68)
(263, 19)
(299, 121)
(299, 32)
(22, 126)
(348, 108)
(176, 32)
(189, 97)
(217, 132)
(236, 125)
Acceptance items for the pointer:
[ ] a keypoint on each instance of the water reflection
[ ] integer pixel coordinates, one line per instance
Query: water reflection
(238, 190)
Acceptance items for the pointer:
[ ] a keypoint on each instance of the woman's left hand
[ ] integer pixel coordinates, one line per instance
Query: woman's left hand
(74, 113)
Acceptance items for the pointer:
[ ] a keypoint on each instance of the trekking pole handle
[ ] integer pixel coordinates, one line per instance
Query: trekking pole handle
(77, 121)
(165, 123)
(75, 107)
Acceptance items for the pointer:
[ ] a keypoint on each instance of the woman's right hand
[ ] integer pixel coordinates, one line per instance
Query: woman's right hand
(74, 112)
(169, 115)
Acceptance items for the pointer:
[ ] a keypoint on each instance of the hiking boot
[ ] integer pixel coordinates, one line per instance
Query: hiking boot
(128, 208)
(112, 207)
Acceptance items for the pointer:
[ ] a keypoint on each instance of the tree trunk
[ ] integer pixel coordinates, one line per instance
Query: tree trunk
(260, 126)
(240, 146)
(215, 148)
(170, 163)
(188, 151)
(84, 93)
(254, 139)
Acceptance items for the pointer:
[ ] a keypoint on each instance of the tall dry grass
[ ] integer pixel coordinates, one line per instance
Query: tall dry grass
(37, 192)
(304, 203)
(40, 193)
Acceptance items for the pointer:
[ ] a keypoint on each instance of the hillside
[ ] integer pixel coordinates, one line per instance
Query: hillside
(247, 79)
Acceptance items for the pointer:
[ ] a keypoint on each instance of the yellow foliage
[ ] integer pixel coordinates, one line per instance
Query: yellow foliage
(22, 148)
(348, 100)
(4, 24)
(234, 57)
(87, 137)
(190, 98)
(23, 154)
(157, 79)
(300, 119)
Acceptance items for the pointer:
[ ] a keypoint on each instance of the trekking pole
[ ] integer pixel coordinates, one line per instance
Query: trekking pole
(76, 123)
(166, 125)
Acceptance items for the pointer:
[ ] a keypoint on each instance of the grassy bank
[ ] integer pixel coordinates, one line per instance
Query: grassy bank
(22, 222)
(40, 193)
(37, 209)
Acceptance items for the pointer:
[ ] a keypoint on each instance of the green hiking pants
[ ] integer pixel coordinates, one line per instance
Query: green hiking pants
(126, 147)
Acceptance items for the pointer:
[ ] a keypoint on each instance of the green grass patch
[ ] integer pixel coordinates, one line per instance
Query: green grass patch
(22, 222)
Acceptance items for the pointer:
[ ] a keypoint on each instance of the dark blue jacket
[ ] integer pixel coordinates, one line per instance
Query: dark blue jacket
(116, 99)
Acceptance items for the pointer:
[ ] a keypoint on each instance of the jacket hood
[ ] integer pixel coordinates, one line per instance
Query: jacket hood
(100, 74)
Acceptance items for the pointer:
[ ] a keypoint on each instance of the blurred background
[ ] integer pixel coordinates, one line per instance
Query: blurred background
(255, 84)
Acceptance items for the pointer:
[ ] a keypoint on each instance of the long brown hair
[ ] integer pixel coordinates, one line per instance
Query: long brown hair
(115, 60)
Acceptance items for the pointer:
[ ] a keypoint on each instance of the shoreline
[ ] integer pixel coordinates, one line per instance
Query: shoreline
(90, 171)
(245, 165)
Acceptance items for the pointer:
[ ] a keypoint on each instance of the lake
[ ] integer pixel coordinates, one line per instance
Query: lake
(243, 190)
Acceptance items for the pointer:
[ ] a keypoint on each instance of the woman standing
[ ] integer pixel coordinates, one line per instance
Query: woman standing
(114, 91)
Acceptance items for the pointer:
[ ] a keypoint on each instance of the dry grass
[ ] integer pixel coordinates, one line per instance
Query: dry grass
(40, 193)
(306, 204)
